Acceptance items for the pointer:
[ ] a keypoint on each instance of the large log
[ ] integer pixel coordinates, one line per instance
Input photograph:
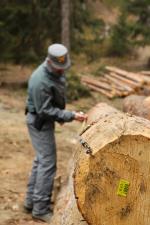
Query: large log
(111, 182)
(120, 150)
(137, 105)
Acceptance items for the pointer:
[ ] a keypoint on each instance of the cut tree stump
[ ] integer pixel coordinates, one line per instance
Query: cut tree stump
(137, 105)
(111, 183)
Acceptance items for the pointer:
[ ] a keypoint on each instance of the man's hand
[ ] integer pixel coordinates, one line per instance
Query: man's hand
(80, 116)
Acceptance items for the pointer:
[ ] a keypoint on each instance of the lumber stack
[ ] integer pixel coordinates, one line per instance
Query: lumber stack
(117, 82)
(110, 184)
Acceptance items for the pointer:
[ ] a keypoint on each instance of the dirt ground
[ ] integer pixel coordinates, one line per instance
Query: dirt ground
(16, 152)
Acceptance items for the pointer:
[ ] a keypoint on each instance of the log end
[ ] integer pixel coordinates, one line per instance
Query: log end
(112, 187)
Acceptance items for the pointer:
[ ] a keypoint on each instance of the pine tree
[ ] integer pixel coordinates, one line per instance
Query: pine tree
(133, 27)
(140, 27)
(119, 40)
(65, 23)
(27, 27)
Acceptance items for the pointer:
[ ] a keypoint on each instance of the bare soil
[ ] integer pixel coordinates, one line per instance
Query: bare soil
(16, 155)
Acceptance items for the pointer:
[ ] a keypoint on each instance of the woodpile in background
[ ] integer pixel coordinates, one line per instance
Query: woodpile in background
(117, 82)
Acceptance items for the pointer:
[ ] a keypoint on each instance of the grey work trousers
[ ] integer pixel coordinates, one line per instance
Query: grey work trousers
(44, 167)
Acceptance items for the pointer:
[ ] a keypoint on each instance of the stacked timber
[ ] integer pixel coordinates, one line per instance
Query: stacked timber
(145, 73)
(137, 105)
(110, 182)
(117, 82)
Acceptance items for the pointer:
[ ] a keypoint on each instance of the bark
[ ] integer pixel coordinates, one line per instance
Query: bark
(65, 26)
(137, 105)
(119, 146)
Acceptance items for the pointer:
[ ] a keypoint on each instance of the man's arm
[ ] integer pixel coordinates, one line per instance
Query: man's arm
(48, 111)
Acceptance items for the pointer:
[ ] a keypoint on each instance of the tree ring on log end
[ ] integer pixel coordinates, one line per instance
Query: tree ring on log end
(97, 179)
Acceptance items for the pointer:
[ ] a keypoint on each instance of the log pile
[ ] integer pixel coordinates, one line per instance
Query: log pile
(110, 185)
(117, 82)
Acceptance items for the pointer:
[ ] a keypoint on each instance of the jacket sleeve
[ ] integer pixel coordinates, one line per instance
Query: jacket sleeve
(48, 111)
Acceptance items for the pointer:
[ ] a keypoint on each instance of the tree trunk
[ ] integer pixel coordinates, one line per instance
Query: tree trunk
(111, 183)
(65, 25)
(137, 105)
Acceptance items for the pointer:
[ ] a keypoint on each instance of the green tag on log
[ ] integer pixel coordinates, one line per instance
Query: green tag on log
(123, 188)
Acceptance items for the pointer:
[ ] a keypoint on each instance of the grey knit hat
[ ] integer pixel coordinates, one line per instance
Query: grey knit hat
(58, 54)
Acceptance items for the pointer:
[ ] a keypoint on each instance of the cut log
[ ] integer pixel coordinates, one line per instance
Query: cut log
(119, 83)
(112, 84)
(145, 72)
(103, 79)
(101, 86)
(109, 94)
(111, 184)
(137, 105)
(96, 83)
(146, 78)
(129, 75)
(126, 81)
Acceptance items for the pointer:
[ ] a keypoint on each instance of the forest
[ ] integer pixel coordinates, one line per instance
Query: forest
(28, 27)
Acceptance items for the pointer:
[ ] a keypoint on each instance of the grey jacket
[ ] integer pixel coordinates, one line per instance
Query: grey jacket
(46, 95)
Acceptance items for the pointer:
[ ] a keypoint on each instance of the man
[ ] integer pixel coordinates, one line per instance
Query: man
(45, 105)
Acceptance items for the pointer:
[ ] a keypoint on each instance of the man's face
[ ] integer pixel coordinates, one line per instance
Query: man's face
(56, 71)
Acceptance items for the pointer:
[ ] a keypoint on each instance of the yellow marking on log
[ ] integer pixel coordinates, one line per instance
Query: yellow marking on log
(123, 188)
